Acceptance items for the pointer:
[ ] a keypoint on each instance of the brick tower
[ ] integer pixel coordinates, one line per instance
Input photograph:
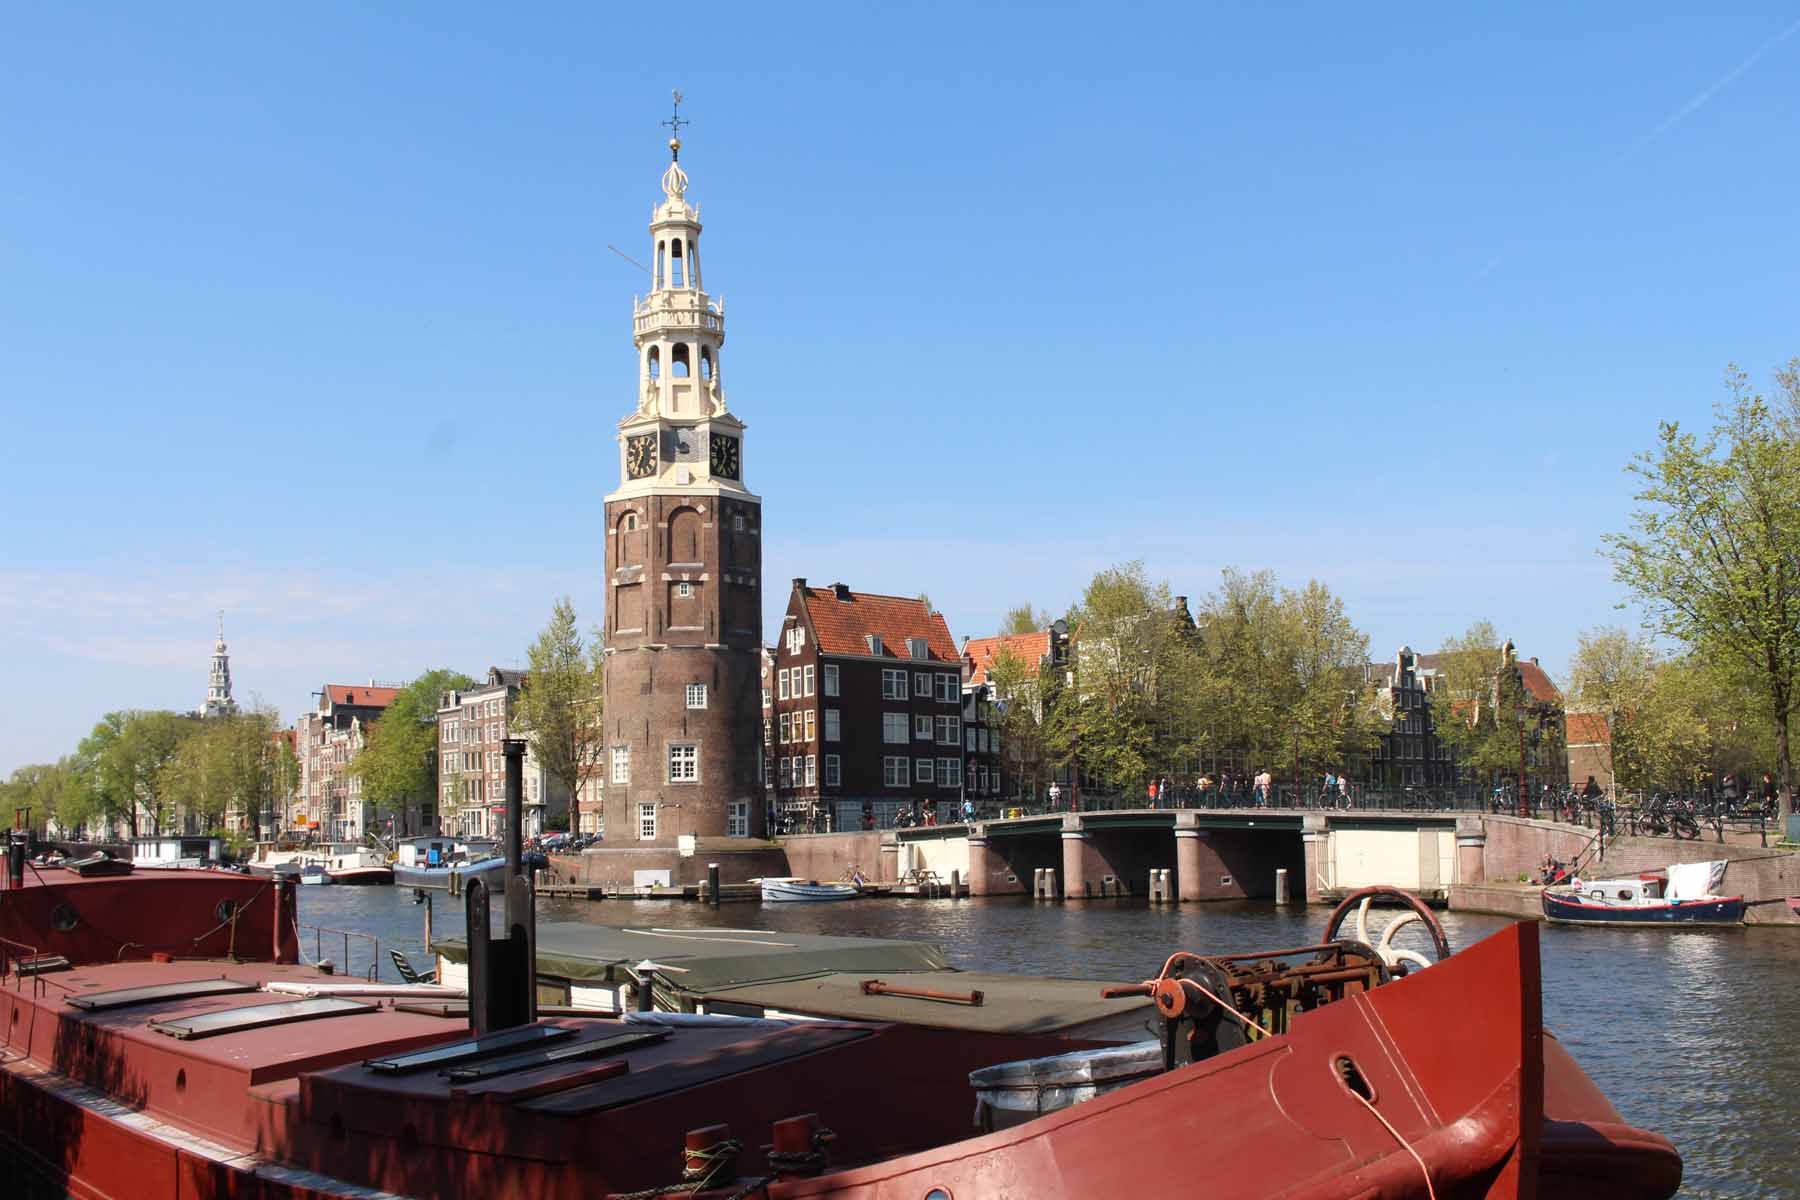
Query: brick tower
(683, 570)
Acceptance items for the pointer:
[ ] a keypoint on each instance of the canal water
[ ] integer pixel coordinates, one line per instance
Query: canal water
(1694, 1034)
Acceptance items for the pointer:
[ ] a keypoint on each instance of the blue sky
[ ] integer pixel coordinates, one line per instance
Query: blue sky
(307, 312)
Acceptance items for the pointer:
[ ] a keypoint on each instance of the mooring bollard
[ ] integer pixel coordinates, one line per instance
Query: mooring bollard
(1161, 888)
(712, 884)
(1281, 885)
(955, 883)
(1043, 883)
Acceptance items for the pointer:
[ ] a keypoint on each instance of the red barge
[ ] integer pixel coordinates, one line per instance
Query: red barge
(161, 1039)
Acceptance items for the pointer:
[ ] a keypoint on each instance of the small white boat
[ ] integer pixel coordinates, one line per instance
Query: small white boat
(359, 865)
(794, 888)
(314, 873)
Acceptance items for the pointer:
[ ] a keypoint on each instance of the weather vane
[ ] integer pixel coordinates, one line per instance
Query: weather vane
(675, 123)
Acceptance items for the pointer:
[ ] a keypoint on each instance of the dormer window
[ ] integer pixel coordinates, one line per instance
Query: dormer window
(874, 641)
(918, 647)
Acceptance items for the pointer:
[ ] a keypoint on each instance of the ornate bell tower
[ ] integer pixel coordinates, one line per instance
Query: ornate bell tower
(683, 704)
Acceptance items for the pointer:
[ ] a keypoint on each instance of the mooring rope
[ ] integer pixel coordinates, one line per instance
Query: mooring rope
(1404, 1144)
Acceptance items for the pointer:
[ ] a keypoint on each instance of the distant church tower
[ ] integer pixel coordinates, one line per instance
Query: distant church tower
(218, 681)
(683, 703)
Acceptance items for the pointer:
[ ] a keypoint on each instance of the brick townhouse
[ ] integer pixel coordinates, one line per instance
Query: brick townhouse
(866, 710)
(331, 806)
(472, 724)
(1045, 655)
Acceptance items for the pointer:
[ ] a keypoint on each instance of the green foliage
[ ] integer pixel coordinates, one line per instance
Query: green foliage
(1131, 711)
(230, 761)
(560, 705)
(123, 765)
(47, 790)
(1021, 691)
(397, 763)
(1482, 710)
(1675, 722)
(1713, 554)
(1283, 680)
(1023, 618)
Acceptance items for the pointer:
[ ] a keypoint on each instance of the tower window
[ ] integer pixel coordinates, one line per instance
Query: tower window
(737, 523)
(684, 762)
(630, 522)
(706, 364)
(684, 590)
(696, 695)
(678, 361)
(655, 364)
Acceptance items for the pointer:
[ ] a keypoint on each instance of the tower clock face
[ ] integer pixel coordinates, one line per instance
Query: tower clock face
(640, 455)
(725, 456)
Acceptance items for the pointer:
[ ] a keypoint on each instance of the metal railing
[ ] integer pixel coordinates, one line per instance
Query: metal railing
(344, 967)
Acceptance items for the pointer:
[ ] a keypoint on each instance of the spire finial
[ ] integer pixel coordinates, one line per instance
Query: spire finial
(675, 123)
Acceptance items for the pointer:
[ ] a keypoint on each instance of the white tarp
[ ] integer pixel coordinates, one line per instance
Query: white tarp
(1691, 881)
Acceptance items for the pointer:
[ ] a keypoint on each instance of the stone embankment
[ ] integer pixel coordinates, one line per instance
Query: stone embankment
(1516, 847)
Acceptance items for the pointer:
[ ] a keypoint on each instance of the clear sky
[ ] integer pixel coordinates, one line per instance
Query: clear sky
(307, 312)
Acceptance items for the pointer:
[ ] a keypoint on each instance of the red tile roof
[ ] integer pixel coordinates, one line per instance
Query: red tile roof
(1537, 682)
(1588, 729)
(843, 626)
(357, 696)
(1030, 648)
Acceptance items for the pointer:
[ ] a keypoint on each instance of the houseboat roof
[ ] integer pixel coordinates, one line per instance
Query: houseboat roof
(706, 960)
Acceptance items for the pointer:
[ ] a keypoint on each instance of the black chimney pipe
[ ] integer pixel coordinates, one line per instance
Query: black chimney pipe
(514, 750)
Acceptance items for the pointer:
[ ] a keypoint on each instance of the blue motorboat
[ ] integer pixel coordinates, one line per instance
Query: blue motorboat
(422, 876)
(1685, 895)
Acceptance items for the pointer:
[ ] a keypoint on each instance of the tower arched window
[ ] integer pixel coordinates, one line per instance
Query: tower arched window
(678, 361)
(662, 253)
(654, 364)
(706, 364)
(675, 279)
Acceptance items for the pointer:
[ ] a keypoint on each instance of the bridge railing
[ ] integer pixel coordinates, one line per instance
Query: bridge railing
(1284, 796)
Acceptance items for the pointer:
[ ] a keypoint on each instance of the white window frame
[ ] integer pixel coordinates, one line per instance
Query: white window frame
(921, 727)
(684, 762)
(786, 720)
(808, 679)
(924, 770)
(893, 723)
(896, 771)
(784, 772)
(621, 764)
(781, 692)
(834, 771)
(696, 695)
(947, 687)
(737, 819)
(893, 684)
(949, 773)
(834, 725)
(647, 822)
(969, 739)
(949, 731)
(812, 770)
(812, 726)
(831, 679)
(922, 685)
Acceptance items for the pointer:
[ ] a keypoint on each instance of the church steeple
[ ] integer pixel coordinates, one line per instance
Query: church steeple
(218, 683)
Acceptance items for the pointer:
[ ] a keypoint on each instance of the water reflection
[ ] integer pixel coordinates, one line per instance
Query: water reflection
(1688, 1032)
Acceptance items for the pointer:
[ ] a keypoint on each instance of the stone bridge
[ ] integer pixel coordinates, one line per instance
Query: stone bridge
(1213, 854)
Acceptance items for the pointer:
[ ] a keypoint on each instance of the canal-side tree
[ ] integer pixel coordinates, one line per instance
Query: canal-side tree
(1022, 691)
(1476, 707)
(560, 704)
(230, 764)
(1130, 712)
(122, 767)
(44, 791)
(1713, 553)
(1283, 680)
(1023, 618)
(398, 760)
